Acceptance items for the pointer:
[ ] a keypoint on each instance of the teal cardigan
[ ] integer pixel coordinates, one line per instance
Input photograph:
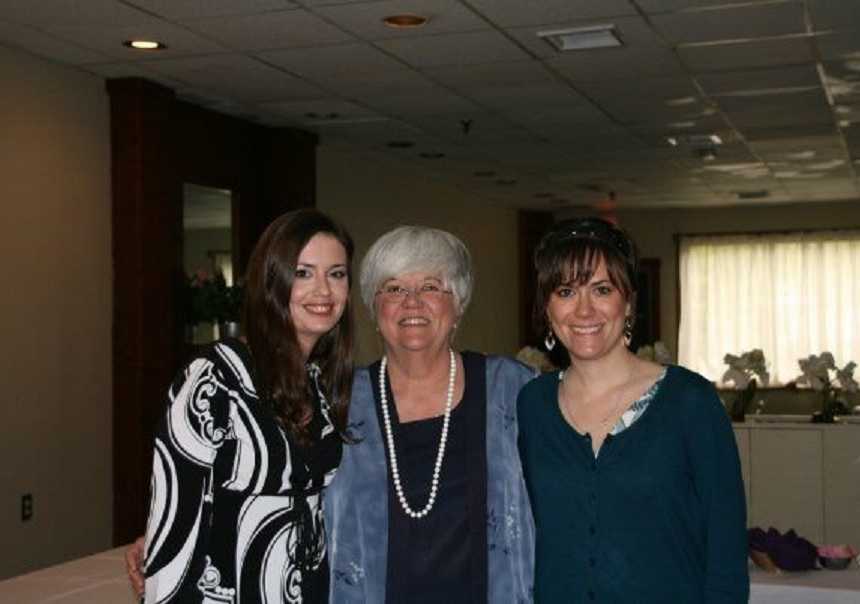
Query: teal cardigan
(356, 502)
(659, 516)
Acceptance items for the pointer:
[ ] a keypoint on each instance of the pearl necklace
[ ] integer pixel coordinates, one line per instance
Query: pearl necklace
(389, 438)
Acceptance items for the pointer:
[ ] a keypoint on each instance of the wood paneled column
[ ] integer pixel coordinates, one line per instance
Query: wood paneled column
(146, 209)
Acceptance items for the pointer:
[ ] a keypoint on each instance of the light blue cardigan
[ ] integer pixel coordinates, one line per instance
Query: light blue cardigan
(356, 502)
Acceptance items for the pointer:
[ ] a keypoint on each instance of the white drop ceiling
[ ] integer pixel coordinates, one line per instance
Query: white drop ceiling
(519, 123)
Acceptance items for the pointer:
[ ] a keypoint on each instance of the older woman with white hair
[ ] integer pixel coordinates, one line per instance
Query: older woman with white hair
(429, 504)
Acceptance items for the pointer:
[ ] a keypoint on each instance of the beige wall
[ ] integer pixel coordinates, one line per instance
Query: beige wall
(655, 230)
(371, 195)
(55, 312)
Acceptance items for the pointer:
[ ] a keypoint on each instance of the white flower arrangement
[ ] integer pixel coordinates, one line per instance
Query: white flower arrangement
(750, 365)
(820, 372)
(658, 353)
(533, 357)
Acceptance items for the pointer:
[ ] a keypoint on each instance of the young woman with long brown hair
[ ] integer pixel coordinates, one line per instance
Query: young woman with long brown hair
(253, 431)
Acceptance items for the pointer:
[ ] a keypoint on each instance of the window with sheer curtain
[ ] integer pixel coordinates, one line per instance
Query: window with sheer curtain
(791, 295)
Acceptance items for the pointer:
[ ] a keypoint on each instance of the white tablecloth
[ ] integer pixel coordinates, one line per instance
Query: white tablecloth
(98, 579)
(812, 587)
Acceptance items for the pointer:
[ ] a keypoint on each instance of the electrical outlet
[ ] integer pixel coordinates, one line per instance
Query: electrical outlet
(26, 507)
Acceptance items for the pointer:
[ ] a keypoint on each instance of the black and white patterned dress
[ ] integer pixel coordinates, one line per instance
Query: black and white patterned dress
(235, 513)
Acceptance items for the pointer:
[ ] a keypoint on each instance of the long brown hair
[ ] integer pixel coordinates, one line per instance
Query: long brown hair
(277, 356)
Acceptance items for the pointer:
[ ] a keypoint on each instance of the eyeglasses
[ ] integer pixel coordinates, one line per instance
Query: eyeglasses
(429, 292)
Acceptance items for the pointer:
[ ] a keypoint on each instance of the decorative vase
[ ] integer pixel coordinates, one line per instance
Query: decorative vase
(742, 402)
(830, 408)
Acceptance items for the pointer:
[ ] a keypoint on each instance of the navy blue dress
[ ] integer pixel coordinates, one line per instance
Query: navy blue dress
(452, 539)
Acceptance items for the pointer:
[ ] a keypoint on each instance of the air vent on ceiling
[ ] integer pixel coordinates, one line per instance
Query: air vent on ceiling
(582, 38)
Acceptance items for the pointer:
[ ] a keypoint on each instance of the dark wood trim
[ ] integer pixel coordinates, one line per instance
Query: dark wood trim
(158, 143)
(647, 328)
(146, 220)
(531, 226)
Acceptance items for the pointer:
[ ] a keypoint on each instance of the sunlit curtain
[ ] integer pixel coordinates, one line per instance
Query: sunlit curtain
(791, 295)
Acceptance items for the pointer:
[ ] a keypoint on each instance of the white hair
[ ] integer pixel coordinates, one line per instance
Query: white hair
(412, 249)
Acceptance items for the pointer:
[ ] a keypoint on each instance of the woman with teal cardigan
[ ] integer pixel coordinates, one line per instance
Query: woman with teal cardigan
(631, 467)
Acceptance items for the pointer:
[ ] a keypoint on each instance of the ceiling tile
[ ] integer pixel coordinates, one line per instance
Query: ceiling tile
(747, 55)
(365, 19)
(283, 29)
(659, 91)
(834, 14)
(487, 75)
(663, 6)
(72, 13)
(526, 98)
(753, 134)
(325, 112)
(109, 40)
(625, 64)
(839, 46)
(360, 60)
(454, 49)
(843, 83)
(472, 128)
(784, 111)
(433, 101)
(738, 22)
(747, 82)
(514, 13)
(47, 46)
(199, 9)
(558, 123)
(132, 70)
(236, 77)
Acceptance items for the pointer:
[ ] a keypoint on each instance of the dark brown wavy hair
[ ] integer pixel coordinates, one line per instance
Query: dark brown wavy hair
(271, 335)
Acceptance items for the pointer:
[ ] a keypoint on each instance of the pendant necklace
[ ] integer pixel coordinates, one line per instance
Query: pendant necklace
(389, 439)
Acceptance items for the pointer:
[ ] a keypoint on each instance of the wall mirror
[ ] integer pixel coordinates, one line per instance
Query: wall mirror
(207, 258)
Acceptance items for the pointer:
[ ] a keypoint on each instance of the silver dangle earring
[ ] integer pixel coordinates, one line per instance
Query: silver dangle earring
(628, 329)
(549, 340)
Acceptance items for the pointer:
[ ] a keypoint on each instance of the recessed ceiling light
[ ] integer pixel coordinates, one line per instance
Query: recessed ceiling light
(715, 138)
(400, 144)
(432, 155)
(582, 38)
(145, 44)
(406, 21)
(672, 141)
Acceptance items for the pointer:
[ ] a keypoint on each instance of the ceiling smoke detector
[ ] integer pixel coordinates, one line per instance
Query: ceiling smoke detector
(582, 38)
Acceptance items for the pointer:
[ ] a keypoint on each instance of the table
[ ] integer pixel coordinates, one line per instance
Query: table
(811, 587)
(101, 579)
(97, 579)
